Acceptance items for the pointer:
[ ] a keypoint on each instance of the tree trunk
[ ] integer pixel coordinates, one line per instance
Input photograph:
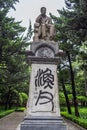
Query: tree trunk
(0, 44)
(6, 104)
(7, 100)
(66, 97)
(85, 81)
(0, 53)
(73, 87)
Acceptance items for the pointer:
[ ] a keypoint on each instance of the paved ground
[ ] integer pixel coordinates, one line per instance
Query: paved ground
(12, 121)
(73, 126)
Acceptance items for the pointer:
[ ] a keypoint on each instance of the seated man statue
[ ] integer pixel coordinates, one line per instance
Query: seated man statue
(43, 27)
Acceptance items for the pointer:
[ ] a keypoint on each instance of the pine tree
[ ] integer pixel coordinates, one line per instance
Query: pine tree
(71, 34)
(13, 67)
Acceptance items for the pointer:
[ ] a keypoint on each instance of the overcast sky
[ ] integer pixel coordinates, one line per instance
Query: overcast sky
(30, 9)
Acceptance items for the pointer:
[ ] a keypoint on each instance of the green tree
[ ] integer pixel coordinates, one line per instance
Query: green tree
(70, 39)
(72, 33)
(13, 67)
(63, 78)
(82, 57)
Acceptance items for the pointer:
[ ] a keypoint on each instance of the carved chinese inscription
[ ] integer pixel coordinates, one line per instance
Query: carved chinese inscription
(44, 79)
(44, 91)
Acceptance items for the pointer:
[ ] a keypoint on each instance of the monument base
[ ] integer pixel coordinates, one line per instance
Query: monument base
(43, 123)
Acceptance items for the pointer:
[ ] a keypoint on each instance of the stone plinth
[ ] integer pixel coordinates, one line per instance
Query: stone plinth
(43, 110)
(43, 123)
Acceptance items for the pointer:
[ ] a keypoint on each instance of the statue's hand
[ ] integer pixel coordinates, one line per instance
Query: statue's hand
(36, 24)
(46, 22)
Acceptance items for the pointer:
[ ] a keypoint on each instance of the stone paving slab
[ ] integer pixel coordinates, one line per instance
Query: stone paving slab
(12, 122)
(73, 126)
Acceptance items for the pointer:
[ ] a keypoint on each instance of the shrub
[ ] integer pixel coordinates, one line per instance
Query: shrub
(82, 99)
(83, 112)
(4, 113)
(20, 109)
(62, 98)
(79, 121)
(23, 97)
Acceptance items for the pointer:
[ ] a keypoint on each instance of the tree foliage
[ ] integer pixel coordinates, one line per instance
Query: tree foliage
(13, 67)
(71, 28)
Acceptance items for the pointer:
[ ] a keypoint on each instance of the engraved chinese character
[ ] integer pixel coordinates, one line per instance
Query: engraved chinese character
(43, 96)
(44, 78)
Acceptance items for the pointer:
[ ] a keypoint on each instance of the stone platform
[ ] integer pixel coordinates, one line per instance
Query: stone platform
(43, 123)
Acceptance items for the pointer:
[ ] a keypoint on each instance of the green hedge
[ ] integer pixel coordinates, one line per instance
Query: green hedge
(7, 112)
(79, 121)
(20, 109)
(4, 113)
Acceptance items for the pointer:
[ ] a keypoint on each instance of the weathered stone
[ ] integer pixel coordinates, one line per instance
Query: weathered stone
(43, 123)
(43, 91)
(45, 52)
(39, 60)
(45, 49)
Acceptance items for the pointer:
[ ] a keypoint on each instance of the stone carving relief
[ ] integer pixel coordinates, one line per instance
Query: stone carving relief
(45, 52)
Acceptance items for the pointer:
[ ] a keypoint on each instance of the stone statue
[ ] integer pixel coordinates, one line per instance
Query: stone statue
(43, 27)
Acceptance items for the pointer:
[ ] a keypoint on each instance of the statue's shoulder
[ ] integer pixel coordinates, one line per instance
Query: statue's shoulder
(38, 17)
(49, 19)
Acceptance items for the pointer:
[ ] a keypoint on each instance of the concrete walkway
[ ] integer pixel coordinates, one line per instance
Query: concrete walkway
(12, 121)
(73, 126)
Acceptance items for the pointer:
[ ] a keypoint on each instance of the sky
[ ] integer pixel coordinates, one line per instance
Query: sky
(30, 9)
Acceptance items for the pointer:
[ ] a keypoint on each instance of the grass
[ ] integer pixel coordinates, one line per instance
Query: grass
(7, 112)
(4, 113)
(82, 120)
(20, 109)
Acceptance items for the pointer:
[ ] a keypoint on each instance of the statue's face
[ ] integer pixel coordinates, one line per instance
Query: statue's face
(43, 11)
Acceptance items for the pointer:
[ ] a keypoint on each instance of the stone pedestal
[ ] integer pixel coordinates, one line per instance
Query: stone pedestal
(43, 110)
(43, 123)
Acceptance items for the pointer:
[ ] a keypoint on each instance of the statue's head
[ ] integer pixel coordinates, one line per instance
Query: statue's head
(43, 10)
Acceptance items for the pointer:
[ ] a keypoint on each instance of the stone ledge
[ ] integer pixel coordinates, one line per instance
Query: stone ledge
(36, 60)
(43, 123)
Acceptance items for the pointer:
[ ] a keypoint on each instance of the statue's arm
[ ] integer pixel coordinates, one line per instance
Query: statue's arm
(50, 21)
(37, 22)
(38, 19)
